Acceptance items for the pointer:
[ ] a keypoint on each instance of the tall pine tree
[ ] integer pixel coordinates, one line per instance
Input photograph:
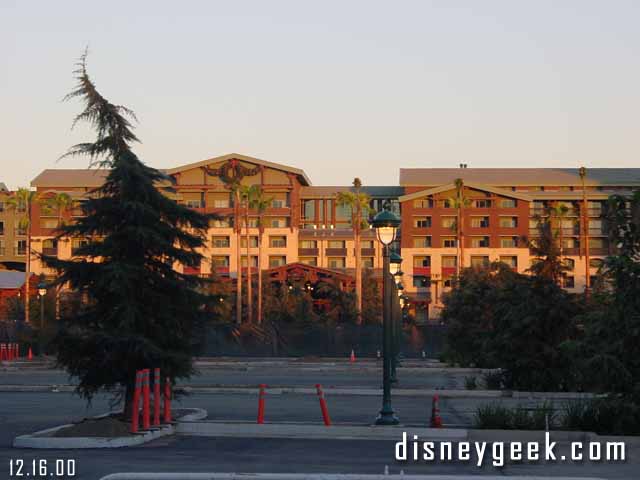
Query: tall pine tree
(138, 312)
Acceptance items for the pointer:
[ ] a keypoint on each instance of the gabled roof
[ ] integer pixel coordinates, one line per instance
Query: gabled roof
(508, 177)
(277, 166)
(476, 186)
(10, 279)
(66, 178)
(372, 191)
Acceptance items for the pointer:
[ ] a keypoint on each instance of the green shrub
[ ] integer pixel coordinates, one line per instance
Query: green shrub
(493, 380)
(605, 416)
(470, 383)
(493, 416)
(498, 417)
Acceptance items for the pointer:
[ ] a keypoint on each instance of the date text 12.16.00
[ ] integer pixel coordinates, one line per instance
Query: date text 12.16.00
(42, 468)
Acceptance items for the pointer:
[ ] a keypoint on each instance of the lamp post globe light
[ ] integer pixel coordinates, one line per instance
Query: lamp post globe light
(386, 224)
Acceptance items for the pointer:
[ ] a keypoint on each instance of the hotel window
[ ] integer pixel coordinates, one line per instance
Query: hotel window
(422, 242)
(479, 242)
(479, 261)
(308, 211)
(278, 223)
(220, 261)
(480, 222)
(277, 242)
(596, 227)
(221, 203)
(336, 244)
(21, 247)
(1, 206)
(423, 203)
(307, 244)
(194, 204)
(511, 260)
(21, 231)
(422, 222)
(1, 228)
(1, 247)
(220, 241)
(77, 243)
(508, 222)
(508, 203)
(596, 263)
(448, 222)
(597, 243)
(50, 246)
(219, 200)
(420, 281)
(421, 261)
(482, 203)
(449, 261)
(366, 244)
(277, 261)
(278, 203)
(313, 261)
(367, 262)
(569, 282)
(343, 216)
(223, 223)
(449, 242)
(253, 241)
(254, 261)
(446, 204)
(49, 223)
(508, 242)
(336, 262)
(570, 263)
(570, 243)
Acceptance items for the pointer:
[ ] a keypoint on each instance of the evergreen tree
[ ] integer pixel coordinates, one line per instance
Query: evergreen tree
(138, 312)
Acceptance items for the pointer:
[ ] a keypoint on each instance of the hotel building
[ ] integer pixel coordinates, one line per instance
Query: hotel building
(306, 227)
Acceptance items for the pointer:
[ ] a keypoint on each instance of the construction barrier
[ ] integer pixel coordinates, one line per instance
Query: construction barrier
(135, 407)
(167, 400)
(146, 421)
(30, 354)
(352, 358)
(261, 396)
(156, 396)
(323, 405)
(436, 419)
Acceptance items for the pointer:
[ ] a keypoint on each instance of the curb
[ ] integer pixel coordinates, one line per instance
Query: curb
(41, 440)
(315, 476)
(313, 431)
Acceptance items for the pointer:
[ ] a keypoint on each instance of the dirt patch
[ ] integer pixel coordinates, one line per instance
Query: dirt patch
(110, 426)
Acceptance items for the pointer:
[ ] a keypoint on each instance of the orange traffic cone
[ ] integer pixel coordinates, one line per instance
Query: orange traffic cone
(353, 356)
(30, 354)
(436, 420)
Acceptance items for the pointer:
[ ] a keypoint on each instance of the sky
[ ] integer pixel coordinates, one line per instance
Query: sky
(337, 88)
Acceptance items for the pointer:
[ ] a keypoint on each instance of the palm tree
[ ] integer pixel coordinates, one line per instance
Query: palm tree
(585, 231)
(21, 202)
(560, 212)
(60, 202)
(247, 193)
(359, 204)
(235, 188)
(459, 201)
(260, 204)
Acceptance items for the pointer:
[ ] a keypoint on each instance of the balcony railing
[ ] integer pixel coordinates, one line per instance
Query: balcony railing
(368, 252)
(192, 270)
(422, 271)
(19, 252)
(308, 252)
(336, 252)
(50, 251)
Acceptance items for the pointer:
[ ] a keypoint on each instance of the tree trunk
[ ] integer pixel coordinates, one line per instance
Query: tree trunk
(238, 259)
(358, 272)
(27, 317)
(249, 289)
(260, 272)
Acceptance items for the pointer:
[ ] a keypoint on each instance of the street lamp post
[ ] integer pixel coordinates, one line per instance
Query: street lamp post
(42, 291)
(395, 261)
(386, 223)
